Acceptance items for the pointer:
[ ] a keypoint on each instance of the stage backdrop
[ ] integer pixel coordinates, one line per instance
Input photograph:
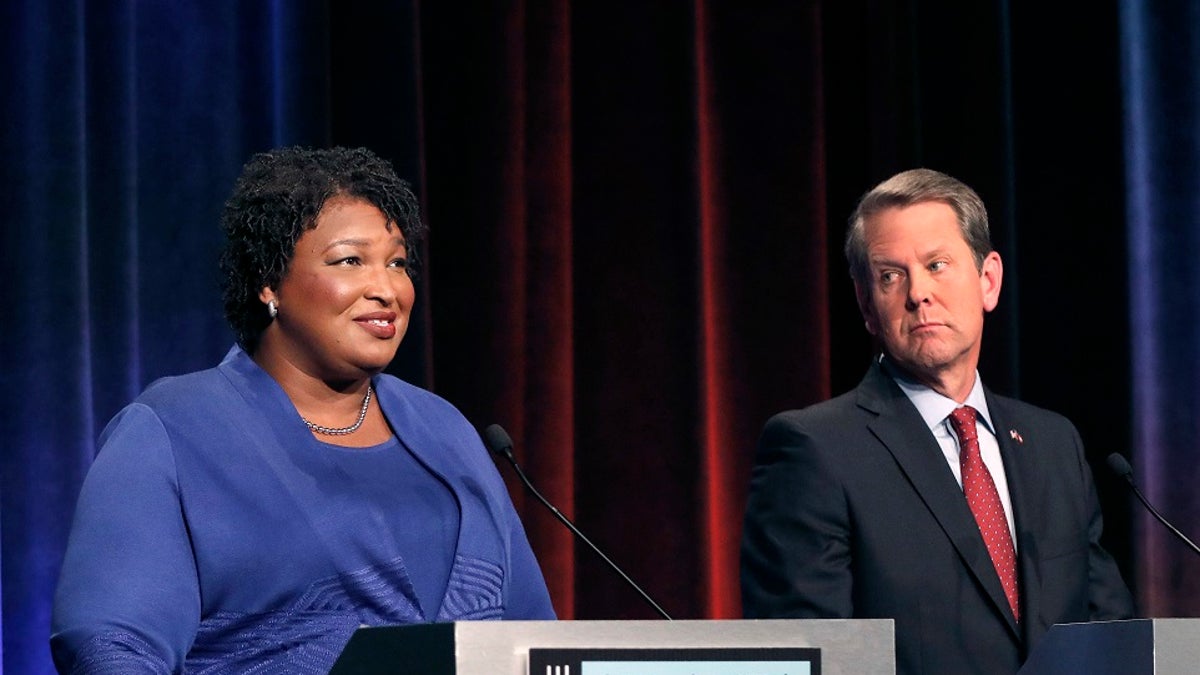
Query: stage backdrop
(636, 214)
(1160, 68)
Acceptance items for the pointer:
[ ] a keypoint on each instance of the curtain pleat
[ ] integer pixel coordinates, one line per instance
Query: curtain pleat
(46, 389)
(762, 225)
(547, 414)
(714, 495)
(1161, 77)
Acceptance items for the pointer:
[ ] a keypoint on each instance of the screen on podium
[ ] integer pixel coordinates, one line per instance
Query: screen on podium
(675, 661)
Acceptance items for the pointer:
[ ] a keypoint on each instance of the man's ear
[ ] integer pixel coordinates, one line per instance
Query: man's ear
(991, 274)
(865, 308)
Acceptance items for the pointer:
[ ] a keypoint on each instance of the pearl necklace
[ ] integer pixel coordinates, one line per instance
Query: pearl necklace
(342, 431)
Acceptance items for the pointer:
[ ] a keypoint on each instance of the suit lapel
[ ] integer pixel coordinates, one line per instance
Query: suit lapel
(900, 428)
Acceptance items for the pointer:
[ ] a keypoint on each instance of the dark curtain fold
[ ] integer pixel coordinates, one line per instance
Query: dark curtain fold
(636, 216)
(1161, 78)
(635, 253)
(498, 110)
(762, 265)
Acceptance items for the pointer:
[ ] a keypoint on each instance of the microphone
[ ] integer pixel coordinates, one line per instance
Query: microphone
(498, 441)
(1121, 467)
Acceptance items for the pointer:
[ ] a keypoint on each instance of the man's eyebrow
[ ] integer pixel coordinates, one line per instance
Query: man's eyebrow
(931, 253)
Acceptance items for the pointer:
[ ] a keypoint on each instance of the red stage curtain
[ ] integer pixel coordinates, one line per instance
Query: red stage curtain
(600, 292)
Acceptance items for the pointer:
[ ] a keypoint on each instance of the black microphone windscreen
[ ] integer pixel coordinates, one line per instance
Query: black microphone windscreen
(1119, 465)
(497, 439)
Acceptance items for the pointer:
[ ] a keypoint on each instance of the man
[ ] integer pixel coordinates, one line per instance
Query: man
(968, 518)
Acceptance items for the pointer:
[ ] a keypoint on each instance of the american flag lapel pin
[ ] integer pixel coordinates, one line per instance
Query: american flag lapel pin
(1012, 433)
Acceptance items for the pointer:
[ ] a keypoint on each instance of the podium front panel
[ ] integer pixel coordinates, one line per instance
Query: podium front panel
(1133, 647)
(847, 647)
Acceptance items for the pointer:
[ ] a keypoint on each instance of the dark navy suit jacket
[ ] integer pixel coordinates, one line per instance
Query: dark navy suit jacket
(854, 513)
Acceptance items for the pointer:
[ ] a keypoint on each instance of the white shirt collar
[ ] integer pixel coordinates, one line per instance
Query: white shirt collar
(934, 407)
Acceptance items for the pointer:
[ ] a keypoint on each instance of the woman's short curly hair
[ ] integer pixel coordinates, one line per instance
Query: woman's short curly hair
(277, 198)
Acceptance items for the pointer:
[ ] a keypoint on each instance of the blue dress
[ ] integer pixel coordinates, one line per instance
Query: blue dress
(215, 534)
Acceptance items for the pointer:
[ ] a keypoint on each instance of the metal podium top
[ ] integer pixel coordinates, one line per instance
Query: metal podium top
(847, 646)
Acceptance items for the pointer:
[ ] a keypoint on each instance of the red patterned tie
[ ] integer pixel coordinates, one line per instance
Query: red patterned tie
(984, 501)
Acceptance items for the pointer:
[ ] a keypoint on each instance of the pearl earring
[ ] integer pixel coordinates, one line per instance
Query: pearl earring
(272, 309)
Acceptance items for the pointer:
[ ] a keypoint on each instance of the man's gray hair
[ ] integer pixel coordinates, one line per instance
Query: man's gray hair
(913, 187)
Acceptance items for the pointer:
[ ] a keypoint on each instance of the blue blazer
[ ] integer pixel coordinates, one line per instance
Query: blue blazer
(214, 531)
(854, 513)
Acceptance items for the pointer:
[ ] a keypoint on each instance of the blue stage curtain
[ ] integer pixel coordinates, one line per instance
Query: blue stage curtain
(109, 256)
(1161, 78)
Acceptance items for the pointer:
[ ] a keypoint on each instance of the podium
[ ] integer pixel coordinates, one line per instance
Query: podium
(1135, 647)
(843, 646)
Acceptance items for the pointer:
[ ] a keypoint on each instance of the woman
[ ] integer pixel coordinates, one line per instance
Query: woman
(251, 516)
